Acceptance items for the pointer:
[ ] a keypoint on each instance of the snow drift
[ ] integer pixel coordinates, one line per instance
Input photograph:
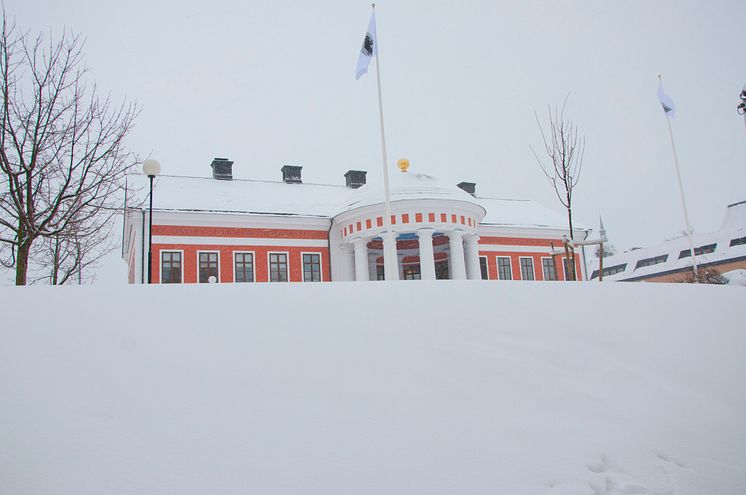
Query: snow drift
(373, 388)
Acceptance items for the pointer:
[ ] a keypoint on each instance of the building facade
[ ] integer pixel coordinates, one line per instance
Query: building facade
(723, 251)
(227, 230)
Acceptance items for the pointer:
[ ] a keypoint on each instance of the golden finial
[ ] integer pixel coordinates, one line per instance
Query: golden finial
(403, 164)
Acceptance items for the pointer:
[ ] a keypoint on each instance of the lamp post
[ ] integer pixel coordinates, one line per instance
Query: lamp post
(151, 168)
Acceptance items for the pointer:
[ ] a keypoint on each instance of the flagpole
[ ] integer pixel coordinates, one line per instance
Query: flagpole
(390, 271)
(681, 192)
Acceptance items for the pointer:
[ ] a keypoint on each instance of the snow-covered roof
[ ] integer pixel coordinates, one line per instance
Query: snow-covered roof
(735, 216)
(407, 186)
(522, 213)
(728, 243)
(243, 196)
(205, 194)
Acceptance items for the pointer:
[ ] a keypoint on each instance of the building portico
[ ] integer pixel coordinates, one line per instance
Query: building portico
(431, 224)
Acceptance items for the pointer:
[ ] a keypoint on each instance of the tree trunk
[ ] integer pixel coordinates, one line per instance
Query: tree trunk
(571, 261)
(22, 261)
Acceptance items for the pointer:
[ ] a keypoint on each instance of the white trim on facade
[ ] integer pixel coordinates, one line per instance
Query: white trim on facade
(302, 267)
(253, 265)
(510, 267)
(556, 273)
(533, 267)
(499, 248)
(160, 264)
(200, 251)
(238, 220)
(269, 266)
(239, 241)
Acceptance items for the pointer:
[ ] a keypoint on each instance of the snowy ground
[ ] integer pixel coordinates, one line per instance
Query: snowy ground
(404, 388)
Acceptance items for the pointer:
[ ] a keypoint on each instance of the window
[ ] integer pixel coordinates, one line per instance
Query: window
(278, 267)
(441, 270)
(170, 267)
(208, 267)
(412, 272)
(709, 248)
(527, 269)
(738, 242)
(312, 268)
(380, 272)
(483, 267)
(503, 268)
(651, 261)
(610, 270)
(548, 269)
(244, 267)
(567, 269)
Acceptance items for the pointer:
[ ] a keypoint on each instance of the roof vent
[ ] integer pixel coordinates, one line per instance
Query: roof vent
(469, 187)
(355, 178)
(222, 169)
(291, 174)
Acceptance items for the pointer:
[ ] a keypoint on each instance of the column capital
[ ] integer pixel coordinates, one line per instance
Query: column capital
(425, 233)
(455, 234)
(471, 237)
(358, 242)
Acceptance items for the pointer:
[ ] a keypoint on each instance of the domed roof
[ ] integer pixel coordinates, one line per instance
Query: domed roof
(408, 186)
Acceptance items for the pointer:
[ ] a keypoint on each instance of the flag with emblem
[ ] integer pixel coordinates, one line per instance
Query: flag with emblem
(369, 48)
(666, 101)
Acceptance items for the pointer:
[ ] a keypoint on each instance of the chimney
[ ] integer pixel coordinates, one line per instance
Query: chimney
(469, 187)
(291, 174)
(355, 178)
(222, 169)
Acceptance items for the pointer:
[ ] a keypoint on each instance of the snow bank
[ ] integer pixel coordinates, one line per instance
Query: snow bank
(401, 388)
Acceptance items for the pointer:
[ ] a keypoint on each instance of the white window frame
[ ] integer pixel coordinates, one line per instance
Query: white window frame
(565, 265)
(253, 263)
(208, 251)
(302, 267)
(510, 266)
(543, 275)
(160, 264)
(269, 265)
(487, 264)
(532, 267)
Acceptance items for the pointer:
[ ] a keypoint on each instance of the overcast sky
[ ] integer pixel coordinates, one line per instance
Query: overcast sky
(268, 83)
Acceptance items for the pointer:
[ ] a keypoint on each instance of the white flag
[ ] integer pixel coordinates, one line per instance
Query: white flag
(666, 102)
(369, 49)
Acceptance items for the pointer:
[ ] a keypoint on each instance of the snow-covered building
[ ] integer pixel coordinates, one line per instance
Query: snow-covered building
(723, 250)
(222, 229)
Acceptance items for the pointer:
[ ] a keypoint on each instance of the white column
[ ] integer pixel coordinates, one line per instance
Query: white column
(473, 270)
(347, 261)
(390, 259)
(361, 260)
(427, 258)
(373, 267)
(456, 243)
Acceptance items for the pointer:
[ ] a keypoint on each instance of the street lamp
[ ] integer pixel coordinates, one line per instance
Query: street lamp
(151, 168)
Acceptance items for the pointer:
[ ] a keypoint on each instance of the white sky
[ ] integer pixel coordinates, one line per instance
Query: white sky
(271, 83)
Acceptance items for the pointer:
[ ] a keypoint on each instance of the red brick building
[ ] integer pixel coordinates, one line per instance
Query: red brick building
(227, 230)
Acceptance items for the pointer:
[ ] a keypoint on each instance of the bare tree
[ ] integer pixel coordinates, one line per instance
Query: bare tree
(564, 149)
(62, 161)
(69, 256)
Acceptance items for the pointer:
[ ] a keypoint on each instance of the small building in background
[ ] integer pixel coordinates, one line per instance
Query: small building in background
(228, 230)
(722, 251)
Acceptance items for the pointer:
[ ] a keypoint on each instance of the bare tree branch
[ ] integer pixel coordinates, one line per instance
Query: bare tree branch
(564, 148)
(62, 161)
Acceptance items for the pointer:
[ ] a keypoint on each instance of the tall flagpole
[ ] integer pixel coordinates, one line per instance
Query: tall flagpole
(681, 192)
(390, 268)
